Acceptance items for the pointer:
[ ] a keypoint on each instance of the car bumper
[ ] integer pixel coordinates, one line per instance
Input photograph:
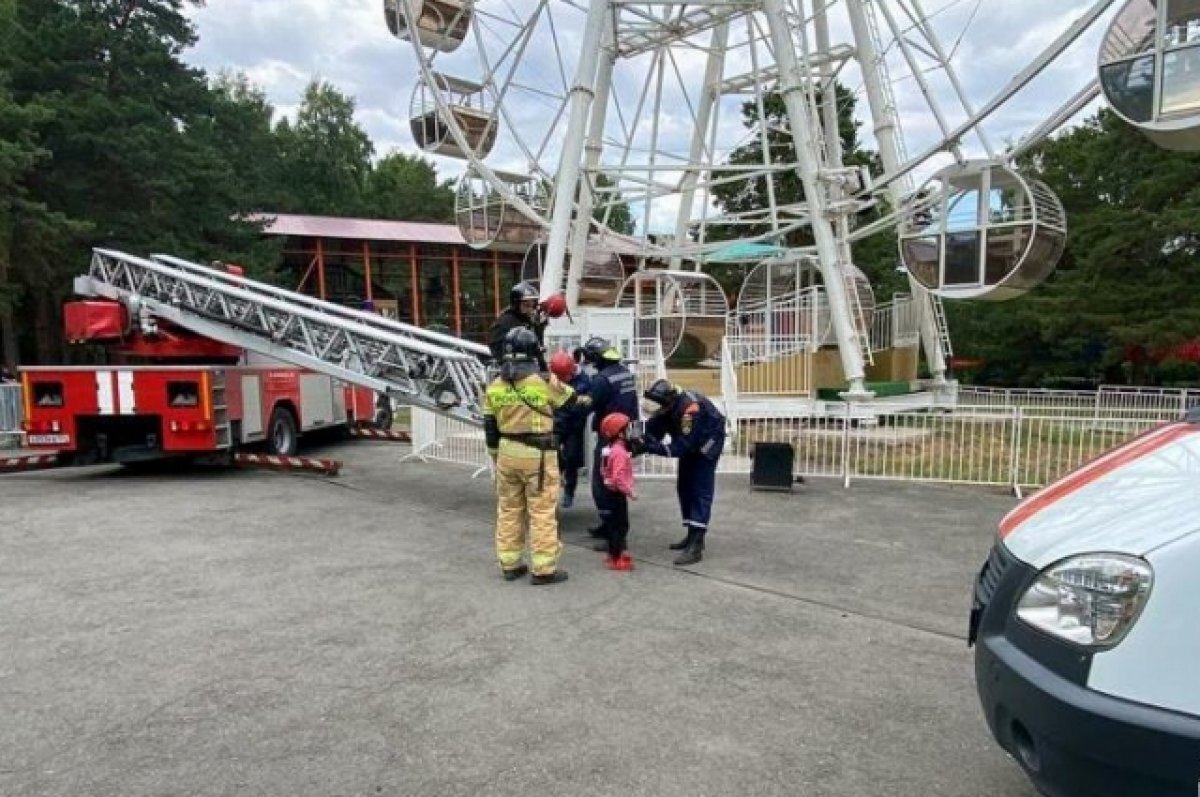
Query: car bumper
(1075, 742)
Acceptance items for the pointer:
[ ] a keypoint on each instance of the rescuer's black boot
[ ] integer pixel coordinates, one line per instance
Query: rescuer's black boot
(694, 552)
(685, 542)
(557, 577)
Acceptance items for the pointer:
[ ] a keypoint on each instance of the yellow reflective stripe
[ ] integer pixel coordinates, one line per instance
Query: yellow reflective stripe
(561, 396)
(522, 395)
(510, 559)
(511, 449)
(543, 562)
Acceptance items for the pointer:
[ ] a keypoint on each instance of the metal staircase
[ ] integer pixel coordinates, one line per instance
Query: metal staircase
(426, 369)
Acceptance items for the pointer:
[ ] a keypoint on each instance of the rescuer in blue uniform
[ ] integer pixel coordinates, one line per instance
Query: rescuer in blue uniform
(612, 389)
(697, 431)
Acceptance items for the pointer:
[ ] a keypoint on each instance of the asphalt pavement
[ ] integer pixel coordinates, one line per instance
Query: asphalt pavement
(249, 633)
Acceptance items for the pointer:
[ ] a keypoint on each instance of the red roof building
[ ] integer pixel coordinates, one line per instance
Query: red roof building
(418, 272)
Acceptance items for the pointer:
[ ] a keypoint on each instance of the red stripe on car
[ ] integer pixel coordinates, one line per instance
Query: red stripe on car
(1141, 446)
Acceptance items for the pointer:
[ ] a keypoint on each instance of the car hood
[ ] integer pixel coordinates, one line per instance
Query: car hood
(1132, 500)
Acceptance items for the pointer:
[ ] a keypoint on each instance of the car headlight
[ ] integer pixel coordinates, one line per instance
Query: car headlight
(1091, 600)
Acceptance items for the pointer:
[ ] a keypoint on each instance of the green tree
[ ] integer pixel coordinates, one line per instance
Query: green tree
(611, 209)
(141, 147)
(18, 153)
(1127, 290)
(876, 256)
(406, 188)
(326, 155)
(741, 196)
(29, 230)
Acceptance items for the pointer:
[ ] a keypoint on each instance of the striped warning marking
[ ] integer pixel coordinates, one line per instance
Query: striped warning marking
(329, 467)
(397, 435)
(32, 462)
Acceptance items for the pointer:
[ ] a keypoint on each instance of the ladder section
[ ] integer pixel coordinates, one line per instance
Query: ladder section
(862, 330)
(220, 409)
(425, 369)
(937, 311)
(335, 311)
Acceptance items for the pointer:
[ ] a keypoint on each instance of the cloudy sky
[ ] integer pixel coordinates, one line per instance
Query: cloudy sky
(282, 44)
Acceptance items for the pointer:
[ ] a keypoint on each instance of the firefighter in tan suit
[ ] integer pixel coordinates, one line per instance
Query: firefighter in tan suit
(518, 412)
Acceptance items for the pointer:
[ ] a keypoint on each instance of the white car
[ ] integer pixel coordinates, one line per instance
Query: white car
(1086, 622)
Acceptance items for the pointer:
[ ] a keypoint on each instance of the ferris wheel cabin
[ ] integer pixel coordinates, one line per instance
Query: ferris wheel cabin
(781, 308)
(445, 104)
(487, 219)
(685, 310)
(441, 24)
(1150, 70)
(980, 230)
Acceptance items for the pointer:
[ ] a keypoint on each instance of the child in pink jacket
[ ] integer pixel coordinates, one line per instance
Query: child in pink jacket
(616, 469)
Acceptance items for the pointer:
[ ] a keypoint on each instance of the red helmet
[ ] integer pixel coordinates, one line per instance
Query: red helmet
(555, 305)
(613, 425)
(562, 365)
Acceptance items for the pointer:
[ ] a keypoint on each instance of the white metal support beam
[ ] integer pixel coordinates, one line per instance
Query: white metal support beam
(809, 166)
(883, 116)
(571, 162)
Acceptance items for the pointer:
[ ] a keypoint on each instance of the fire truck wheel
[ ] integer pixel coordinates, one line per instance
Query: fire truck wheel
(282, 437)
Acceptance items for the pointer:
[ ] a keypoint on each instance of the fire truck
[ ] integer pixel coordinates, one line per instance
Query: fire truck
(210, 361)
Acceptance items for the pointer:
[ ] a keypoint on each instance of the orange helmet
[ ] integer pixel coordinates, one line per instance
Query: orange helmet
(562, 365)
(613, 425)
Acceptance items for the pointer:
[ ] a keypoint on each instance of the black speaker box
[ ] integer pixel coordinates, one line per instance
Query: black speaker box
(772, 466)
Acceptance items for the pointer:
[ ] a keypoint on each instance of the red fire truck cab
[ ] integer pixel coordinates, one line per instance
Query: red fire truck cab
(157, 405)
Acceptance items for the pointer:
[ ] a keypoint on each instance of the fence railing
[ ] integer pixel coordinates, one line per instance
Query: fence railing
(11, 415)
(896, 323)
(1106, 399)
(997, 446)
(435, 437)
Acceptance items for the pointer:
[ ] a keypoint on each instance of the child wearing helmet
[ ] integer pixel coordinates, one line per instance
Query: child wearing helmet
(617, 474)
(570, 424)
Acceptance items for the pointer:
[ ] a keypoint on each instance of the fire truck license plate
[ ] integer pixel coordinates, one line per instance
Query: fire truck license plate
(49, 439)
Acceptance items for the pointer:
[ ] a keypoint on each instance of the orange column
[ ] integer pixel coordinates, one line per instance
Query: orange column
(416, 283)
(320, 268)
(454, 286)
(367, 270)
(496, 280)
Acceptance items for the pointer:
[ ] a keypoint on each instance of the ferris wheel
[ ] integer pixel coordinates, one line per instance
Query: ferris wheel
(713, 125)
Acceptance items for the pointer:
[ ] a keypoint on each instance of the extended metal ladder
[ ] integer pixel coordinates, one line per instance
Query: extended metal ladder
(415, 366)
(937, 311)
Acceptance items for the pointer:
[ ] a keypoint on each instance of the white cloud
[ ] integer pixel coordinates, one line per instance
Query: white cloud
(281, 44)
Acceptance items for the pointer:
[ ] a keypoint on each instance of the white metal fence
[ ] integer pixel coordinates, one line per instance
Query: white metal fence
(1106, 399)
(1003, 447)
(896, 323)
(995, 446)
(438, 438)
(11, 409)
